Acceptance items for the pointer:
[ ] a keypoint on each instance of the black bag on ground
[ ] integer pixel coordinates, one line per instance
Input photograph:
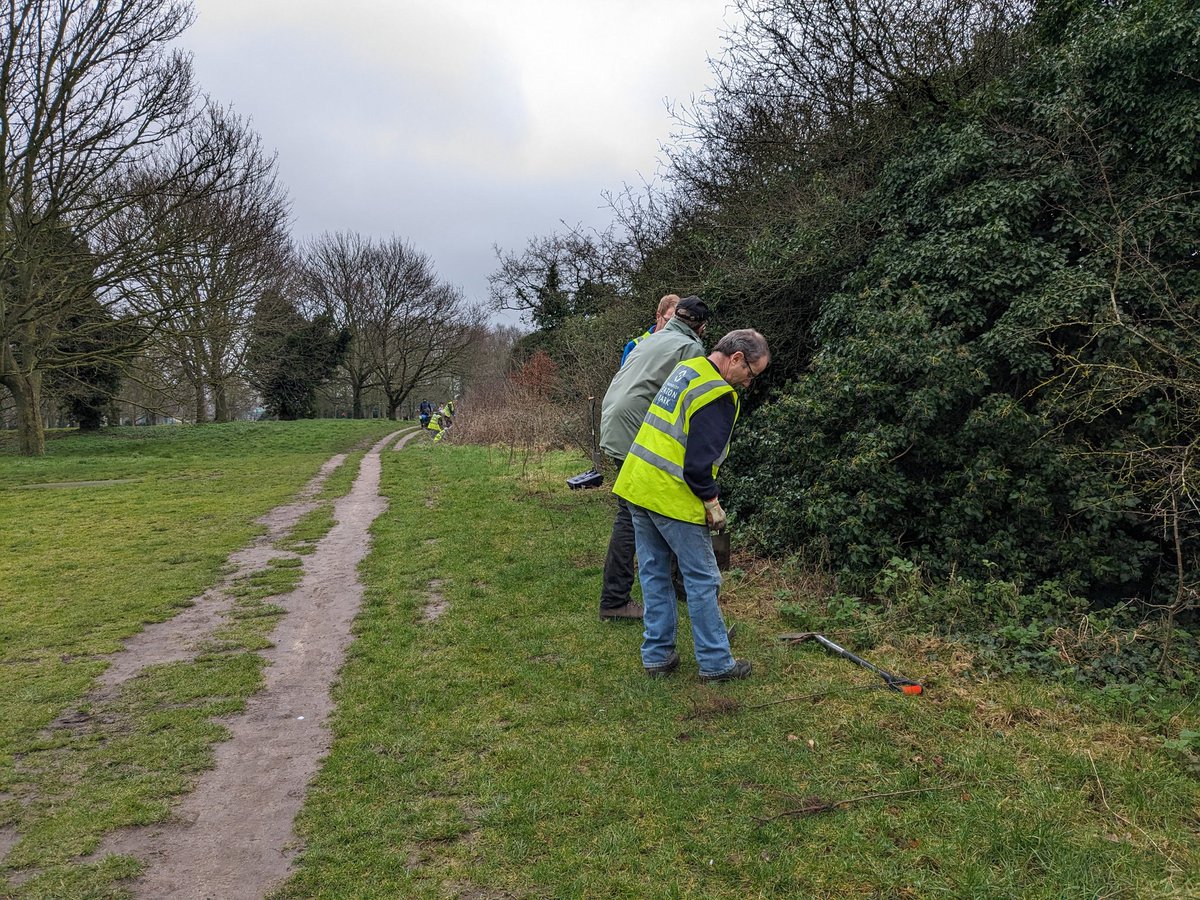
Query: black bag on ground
(586, 480)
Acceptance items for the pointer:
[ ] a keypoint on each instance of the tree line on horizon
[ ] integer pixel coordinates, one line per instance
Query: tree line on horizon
(968, 230)
(146, 260)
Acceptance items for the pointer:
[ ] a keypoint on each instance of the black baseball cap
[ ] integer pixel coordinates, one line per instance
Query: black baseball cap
(692, 309)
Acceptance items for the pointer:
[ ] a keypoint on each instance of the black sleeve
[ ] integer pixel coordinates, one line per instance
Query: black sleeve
(708, 434)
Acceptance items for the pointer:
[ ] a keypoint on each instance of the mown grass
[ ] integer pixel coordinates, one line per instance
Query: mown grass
(85, 567)
(513, 746)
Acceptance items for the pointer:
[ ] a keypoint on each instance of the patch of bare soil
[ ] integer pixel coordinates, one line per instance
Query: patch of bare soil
(8, 839)
(436, 604)
(177, 638)
(232, 837)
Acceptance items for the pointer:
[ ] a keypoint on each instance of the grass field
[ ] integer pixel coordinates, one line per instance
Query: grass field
(511, 746)
(103, 534)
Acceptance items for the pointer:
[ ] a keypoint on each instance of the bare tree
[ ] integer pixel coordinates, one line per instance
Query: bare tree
(229, 249)
(420, 328)
(839, 60)
(804, 85)
(156, 386)
(562, 275)
(407, 327)
(336, 279)
(91, 92)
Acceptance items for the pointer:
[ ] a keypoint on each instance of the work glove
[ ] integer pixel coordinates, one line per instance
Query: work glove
(714, 514)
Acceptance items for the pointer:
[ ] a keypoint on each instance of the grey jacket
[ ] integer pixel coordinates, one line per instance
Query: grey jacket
(633, 387)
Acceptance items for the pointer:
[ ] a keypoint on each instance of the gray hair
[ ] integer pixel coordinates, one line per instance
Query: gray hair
(747, 341)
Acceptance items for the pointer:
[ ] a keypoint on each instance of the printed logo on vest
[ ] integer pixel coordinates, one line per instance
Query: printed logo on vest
(672, 389)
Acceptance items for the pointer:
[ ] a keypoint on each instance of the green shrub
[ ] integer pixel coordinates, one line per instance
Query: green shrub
(1000, 395)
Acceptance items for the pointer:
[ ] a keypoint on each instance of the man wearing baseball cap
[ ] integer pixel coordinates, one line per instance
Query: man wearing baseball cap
(625, 404)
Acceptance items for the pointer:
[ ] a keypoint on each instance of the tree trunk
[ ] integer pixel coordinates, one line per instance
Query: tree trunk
(201, 403)
(26, 390)
(220, 402)
(356, 409)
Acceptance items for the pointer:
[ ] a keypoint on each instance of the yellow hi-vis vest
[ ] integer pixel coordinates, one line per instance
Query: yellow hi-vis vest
(652, 475)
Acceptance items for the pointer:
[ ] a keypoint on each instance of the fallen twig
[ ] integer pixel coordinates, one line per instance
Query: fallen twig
(1120, 818)
(815, 805)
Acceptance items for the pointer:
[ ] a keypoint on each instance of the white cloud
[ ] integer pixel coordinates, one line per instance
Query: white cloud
(415, 117)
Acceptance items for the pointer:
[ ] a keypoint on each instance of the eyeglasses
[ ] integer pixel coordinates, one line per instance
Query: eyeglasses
(753, 374)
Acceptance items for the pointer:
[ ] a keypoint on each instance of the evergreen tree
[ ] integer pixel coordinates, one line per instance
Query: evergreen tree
(92, 354)
(290, 357)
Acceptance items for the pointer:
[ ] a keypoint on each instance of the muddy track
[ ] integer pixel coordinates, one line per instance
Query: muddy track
(176, 639)
(232, 836)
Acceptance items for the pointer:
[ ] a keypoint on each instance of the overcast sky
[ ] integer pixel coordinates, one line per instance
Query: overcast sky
(457, 124)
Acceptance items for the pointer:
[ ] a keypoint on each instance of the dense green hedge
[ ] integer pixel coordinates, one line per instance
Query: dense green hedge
(989, 385)
(982, 290)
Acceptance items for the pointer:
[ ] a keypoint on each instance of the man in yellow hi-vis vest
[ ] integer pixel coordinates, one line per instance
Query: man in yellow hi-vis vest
(437, 423)
(669, 480)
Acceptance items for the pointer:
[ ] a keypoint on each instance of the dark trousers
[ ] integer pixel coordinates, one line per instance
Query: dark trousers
(619, 572)
(618, 563)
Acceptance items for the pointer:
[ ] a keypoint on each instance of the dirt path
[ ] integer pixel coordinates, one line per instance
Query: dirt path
(176, 639)
(232, 836)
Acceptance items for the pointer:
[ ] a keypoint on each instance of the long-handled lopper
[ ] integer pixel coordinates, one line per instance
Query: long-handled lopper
(895, 682)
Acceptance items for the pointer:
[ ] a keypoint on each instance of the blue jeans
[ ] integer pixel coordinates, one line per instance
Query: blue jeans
(616, 586)
(657, 537)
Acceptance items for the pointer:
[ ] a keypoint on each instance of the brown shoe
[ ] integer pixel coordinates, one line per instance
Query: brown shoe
(669, 665)
(741, 669)
(628, 610)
